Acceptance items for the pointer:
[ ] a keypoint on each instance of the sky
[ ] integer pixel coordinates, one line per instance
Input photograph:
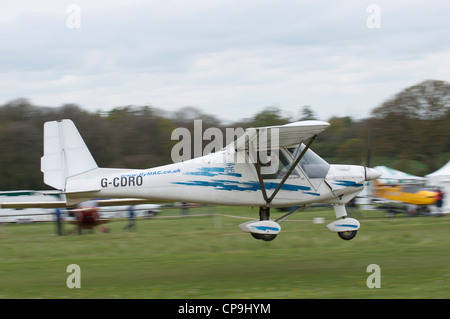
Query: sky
(228, 58)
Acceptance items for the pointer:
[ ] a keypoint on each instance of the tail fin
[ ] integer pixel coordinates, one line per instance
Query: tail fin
(65, 153)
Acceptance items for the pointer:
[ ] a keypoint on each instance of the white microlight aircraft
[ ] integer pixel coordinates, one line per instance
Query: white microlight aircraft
(265, 167)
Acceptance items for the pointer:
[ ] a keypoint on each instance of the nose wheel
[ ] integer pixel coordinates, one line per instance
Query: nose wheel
(346, 228)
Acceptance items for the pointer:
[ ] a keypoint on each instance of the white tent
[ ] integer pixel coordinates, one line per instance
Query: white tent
(392, 176)
(441, 179)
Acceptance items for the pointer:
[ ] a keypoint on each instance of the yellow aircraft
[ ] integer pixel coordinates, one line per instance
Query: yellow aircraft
(408, 194)
(402, 188)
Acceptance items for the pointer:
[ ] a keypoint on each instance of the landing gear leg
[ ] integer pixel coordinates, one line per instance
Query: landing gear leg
(264, 213)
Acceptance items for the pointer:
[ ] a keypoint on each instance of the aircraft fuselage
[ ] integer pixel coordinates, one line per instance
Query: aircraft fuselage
(212, 180)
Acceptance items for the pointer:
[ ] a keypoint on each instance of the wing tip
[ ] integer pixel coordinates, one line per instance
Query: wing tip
(308, 123)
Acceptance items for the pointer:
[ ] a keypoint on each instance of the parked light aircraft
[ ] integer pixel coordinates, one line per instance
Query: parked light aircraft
(408, 194)
(399, 191)
(28, 206)
(275, 171)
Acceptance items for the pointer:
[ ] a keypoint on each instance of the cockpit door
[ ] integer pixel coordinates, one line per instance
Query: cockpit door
(312, 165)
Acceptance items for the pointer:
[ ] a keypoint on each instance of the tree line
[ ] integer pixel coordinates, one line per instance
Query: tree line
(409, 132)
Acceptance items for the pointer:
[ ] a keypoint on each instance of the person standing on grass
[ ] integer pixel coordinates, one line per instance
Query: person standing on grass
(59, 222)
(439, 200)
(131, 219)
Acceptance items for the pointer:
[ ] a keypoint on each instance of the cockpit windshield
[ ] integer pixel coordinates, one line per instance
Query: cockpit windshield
(311, 163)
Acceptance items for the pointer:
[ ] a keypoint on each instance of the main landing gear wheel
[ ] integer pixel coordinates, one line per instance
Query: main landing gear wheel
(347, 235)
(265, 237)
(264, 229)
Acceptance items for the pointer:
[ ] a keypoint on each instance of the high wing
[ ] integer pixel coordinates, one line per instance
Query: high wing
(274, 137)
(280, 135)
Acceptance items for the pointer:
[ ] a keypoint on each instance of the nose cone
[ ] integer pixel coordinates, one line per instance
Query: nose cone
(371, 174)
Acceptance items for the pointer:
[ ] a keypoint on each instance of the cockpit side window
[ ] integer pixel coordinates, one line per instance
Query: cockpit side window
(311, 163)
(275, 164)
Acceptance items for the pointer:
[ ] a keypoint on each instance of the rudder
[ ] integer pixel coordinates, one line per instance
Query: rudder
(65, 153)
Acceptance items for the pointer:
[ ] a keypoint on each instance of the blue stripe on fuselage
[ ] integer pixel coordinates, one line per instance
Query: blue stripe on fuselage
(245, 186)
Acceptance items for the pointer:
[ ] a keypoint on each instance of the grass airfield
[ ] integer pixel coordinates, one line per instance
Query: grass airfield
(207, 256)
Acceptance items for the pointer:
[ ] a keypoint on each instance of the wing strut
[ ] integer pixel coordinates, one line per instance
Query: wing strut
(261, 182)
(264, 211)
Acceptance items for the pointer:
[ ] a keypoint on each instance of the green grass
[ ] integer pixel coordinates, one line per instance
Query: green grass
(209, 257)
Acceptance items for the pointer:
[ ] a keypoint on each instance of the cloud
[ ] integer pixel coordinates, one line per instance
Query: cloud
(230, 58)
